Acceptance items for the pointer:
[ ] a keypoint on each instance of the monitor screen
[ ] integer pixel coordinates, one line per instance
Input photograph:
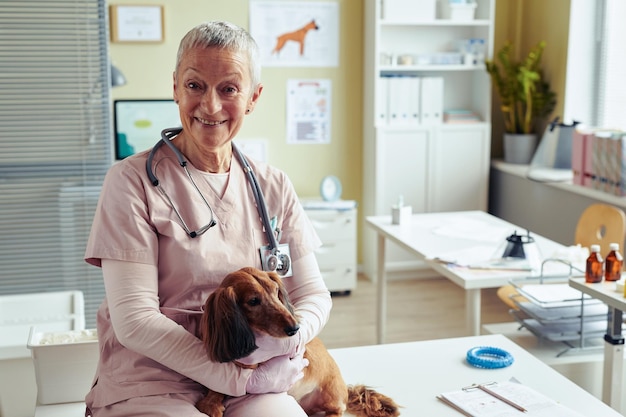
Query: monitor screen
(138, 124)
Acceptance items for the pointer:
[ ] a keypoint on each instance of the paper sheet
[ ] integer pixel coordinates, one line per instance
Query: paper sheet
(477, 403)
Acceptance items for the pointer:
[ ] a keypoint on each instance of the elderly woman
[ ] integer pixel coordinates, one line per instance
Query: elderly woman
(166, 232)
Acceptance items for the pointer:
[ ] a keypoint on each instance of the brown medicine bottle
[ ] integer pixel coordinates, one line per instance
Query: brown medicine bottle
(594, 268)
(613, 263)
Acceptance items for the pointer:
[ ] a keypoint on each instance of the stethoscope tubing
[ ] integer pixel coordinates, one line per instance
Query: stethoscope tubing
(166, 138)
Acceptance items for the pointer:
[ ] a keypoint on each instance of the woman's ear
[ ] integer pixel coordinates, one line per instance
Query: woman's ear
(253, 98)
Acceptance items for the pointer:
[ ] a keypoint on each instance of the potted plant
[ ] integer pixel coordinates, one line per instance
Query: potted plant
(525, 97)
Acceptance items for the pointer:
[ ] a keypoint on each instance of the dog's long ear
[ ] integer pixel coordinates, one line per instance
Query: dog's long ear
(283, 296)
(226, 333)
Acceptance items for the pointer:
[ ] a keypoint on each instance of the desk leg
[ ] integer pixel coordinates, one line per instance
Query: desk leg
(472, 311)
(613, 360)
(381, 293)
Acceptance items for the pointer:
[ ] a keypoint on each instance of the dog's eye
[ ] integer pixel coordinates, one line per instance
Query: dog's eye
(254, 301)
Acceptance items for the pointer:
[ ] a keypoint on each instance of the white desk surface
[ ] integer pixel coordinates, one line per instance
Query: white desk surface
(414, 373)
(603, 291)
(432, 235)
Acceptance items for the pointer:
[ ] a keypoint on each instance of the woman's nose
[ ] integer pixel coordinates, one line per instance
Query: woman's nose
(211, 102)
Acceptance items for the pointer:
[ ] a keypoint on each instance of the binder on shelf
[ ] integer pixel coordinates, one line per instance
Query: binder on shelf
(431, 102)
(414, 85)
(381, 106)
(403, 101)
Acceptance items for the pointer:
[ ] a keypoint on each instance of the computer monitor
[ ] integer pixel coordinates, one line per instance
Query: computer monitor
(138, 124)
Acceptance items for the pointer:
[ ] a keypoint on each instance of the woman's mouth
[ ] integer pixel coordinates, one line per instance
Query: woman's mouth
(210, 122)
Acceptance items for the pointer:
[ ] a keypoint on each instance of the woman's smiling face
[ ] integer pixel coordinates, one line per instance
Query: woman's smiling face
(214, 91)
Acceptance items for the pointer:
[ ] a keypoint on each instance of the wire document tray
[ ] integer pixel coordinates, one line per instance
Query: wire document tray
(552, 310)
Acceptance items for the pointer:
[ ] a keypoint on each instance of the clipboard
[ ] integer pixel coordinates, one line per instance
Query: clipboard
(511, 398)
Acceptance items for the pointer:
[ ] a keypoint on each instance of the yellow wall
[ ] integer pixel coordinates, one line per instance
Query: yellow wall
(526, 22)
(148, 70)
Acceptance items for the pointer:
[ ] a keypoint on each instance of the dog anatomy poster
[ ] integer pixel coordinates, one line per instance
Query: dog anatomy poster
(296, 33)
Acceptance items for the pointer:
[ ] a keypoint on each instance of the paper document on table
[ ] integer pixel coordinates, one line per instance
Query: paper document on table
(470, 229)
(468, 256)
(481, 257)
(506, 399)
(550, 293)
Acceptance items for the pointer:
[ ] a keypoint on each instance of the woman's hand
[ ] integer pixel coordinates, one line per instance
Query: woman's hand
(277, 374)
(270, 347)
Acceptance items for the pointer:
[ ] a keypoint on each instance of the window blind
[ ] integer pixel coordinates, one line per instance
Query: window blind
(611, 106)
(55, 145)
(595, 92)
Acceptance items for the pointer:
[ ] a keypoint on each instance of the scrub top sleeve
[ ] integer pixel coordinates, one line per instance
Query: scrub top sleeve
(121, 227)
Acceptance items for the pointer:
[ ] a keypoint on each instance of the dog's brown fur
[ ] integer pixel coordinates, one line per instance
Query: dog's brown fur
(296, 36)
(250, 300)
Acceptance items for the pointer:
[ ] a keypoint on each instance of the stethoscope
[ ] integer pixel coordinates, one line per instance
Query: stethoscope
(272, 258)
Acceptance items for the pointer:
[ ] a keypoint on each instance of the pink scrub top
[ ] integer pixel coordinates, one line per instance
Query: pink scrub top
(134, 222)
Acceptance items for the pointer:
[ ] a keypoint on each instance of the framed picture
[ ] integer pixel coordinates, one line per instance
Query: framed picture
(136, 23)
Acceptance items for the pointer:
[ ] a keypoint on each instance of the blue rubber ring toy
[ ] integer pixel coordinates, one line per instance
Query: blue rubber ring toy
(489, 357)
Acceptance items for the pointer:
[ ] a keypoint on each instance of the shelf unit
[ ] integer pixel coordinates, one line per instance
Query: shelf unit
(435, 167)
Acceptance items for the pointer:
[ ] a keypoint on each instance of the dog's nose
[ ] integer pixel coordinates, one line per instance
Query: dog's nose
(291, 330)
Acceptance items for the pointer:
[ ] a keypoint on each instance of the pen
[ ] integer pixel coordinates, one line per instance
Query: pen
(501, 398)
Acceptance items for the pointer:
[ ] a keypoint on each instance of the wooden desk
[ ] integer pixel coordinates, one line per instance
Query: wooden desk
(413, 374)
(614, 340)
(431, 235)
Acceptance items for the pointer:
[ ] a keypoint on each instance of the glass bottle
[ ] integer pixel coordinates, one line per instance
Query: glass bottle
(594, 268)
(613, 263)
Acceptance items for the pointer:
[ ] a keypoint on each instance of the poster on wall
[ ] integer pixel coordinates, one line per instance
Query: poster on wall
(296, 33)
(308, 111)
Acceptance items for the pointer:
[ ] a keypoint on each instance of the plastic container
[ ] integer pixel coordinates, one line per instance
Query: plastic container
(65, 364)
(462, 11)
(595, 266)
(613, 263)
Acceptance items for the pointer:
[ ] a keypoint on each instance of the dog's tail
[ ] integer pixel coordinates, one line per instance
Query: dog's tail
(366, 402)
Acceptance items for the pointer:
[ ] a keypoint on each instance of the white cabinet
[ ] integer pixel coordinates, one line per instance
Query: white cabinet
(435, 164)
(336, 257)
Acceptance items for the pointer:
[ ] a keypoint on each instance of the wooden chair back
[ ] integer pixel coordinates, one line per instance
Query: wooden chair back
(601, 224)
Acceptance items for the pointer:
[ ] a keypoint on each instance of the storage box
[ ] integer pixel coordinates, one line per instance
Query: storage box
(462, 11)
(65, 364)
(409, 10)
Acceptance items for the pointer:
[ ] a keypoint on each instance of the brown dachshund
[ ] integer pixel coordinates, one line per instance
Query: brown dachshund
(250, 300)
(296, 36)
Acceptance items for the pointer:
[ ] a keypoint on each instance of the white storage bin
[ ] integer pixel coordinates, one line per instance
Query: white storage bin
(465, 11)
(48, 311)
(65, 364)
(409, 10)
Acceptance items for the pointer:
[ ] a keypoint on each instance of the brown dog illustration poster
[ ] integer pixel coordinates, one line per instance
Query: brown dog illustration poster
(296, 33)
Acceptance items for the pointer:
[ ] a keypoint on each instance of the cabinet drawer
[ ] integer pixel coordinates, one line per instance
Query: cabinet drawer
(330, 254)
(334, 225)
(340, 278)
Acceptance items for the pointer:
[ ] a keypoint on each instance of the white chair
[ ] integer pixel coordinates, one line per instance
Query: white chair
(51, 311)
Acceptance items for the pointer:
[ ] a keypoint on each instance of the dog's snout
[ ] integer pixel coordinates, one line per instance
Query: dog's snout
(291, 330)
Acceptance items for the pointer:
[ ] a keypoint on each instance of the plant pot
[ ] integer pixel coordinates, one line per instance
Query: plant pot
(519, 148)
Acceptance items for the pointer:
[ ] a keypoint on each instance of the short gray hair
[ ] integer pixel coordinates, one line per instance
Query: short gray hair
(223, 35)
